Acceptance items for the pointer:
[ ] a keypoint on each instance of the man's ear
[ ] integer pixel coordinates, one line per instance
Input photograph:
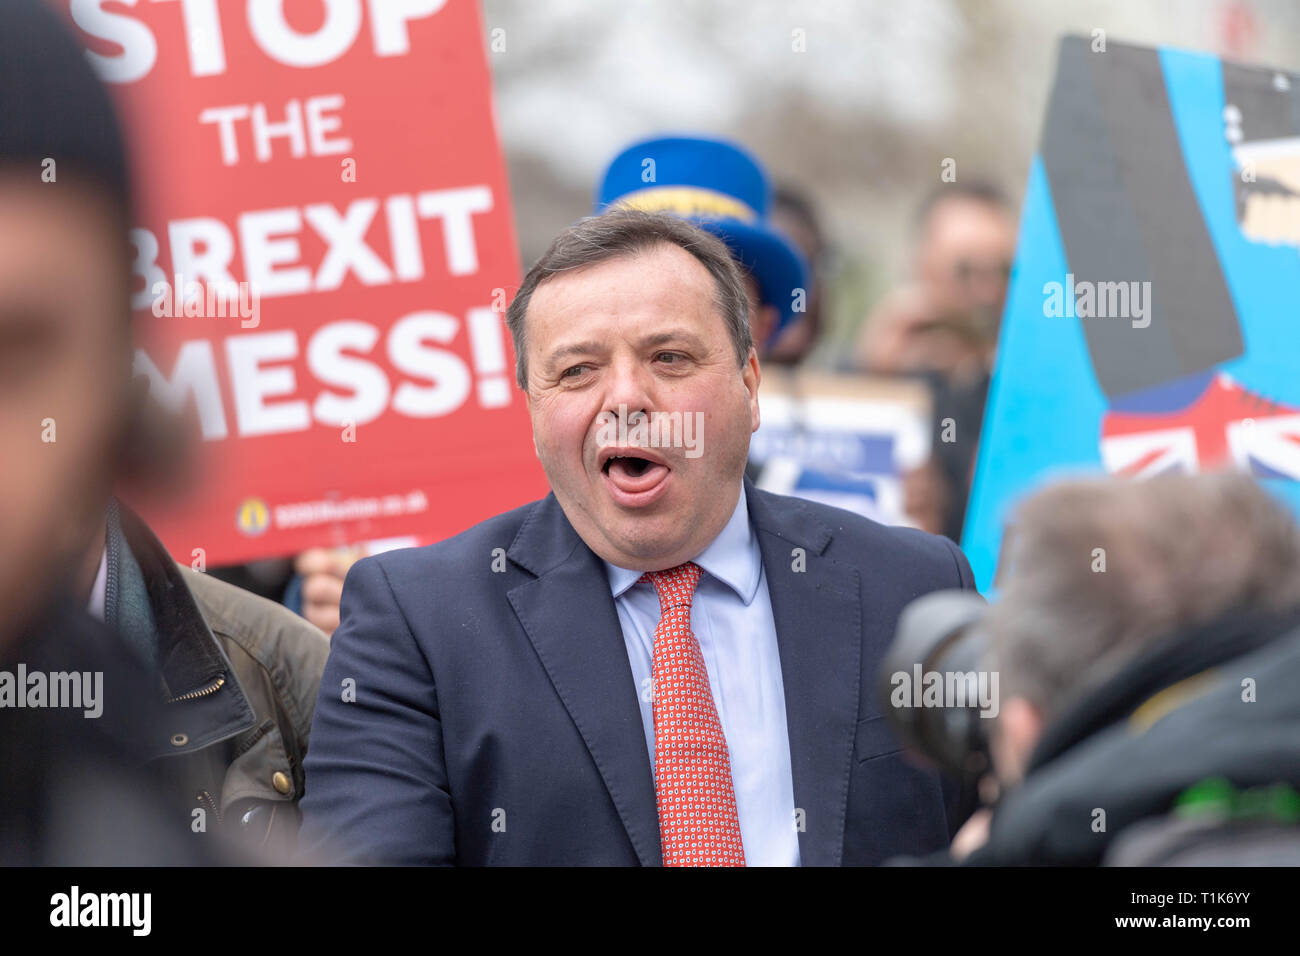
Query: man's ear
(156, 446)
(752, 375)
(1019, 725)
(762, 322)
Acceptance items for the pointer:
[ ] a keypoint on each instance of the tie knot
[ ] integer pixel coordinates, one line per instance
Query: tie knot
(676, 586)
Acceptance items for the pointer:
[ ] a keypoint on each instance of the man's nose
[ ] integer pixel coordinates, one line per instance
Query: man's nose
(629, 388)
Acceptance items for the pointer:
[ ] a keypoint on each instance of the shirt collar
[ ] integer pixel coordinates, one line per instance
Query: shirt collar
(99, 590)
(732, 558)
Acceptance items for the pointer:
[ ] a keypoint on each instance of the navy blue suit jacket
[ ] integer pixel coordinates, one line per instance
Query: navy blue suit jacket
(495, 718)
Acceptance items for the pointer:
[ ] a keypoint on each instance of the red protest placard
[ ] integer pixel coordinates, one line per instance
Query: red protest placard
(323, 260)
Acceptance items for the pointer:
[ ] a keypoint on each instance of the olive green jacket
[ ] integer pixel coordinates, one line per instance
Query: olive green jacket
(239, 676)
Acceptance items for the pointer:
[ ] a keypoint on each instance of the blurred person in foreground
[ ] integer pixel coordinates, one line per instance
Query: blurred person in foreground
(74, 718)
(943, 326)
(1148, 647)
(224, 682)
(657, 663)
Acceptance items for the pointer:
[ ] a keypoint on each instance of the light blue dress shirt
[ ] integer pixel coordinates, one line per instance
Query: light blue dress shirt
(731, 617)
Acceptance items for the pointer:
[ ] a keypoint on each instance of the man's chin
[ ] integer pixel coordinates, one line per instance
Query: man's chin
(645, 544)
(643, 541)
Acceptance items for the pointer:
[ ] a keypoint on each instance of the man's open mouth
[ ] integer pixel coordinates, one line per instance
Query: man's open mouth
(634, 475)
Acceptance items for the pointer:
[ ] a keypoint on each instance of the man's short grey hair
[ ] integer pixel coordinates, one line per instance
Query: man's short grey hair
(1177, 551)
(626, 232)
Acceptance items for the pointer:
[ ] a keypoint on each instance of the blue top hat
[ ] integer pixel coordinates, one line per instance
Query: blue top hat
(720, 187)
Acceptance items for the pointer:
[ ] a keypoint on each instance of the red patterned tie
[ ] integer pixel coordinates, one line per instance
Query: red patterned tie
(698, 825)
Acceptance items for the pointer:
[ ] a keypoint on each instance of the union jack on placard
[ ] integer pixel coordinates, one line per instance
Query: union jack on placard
(1228, 426)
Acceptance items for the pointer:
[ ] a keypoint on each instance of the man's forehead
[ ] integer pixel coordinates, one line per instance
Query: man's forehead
(663, 273)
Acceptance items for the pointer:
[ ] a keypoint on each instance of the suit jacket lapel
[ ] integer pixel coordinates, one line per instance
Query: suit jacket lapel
(818, 616)
(569, 616)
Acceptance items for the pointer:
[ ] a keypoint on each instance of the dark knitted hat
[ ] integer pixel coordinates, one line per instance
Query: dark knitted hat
(52, 105)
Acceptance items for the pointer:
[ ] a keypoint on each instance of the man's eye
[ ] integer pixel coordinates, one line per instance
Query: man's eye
(574, 371)
(668, 357)
(27, 344)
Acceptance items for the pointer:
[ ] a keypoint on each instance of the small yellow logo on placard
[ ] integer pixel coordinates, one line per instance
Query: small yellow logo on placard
(254, 516)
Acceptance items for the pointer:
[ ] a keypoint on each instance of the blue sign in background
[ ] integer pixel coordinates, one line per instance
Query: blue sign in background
(1043, 418)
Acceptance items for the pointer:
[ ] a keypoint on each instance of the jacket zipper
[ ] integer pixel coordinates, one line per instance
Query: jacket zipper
(212, 688)
(205, 796)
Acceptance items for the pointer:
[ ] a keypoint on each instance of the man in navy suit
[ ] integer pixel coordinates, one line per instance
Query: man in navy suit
(657, 663)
